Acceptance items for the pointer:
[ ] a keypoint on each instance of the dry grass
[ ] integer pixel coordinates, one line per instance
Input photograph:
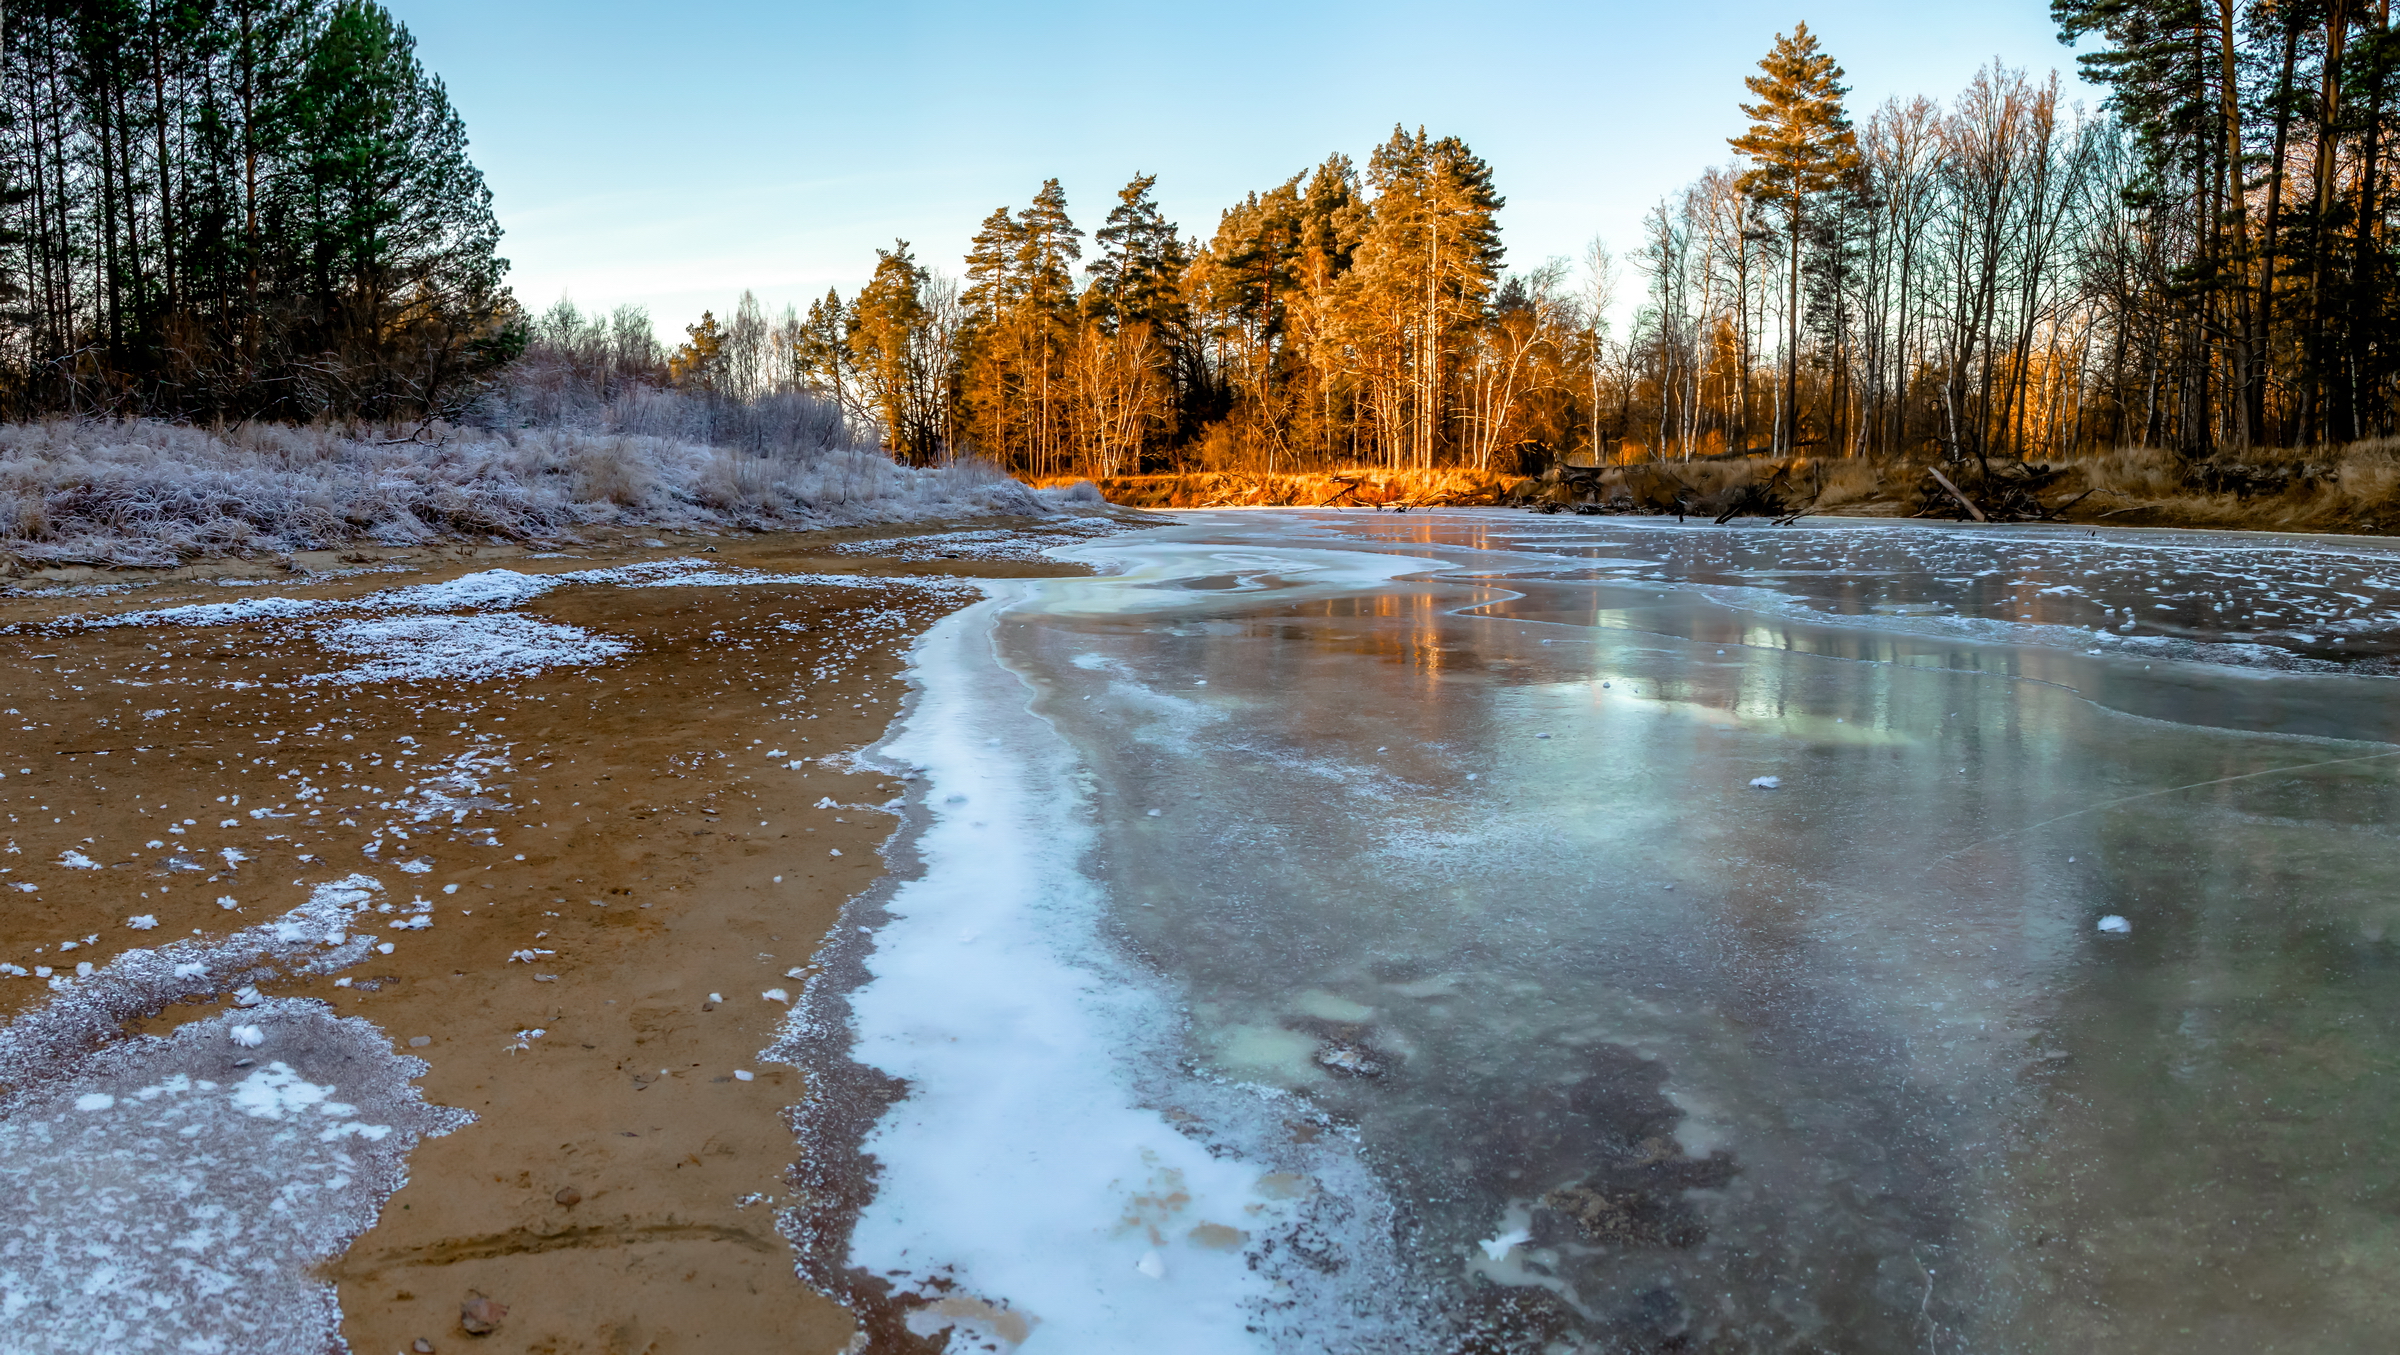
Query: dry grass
(2354, 488)
(1262, 489)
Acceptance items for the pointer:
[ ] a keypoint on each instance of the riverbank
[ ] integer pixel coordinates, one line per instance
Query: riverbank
(150, 495)
(1351, 487)
(2352, 489)
(583, 816)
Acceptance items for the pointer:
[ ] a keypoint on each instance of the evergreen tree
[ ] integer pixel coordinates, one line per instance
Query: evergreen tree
(1021, 309)
(994, 287)
(821, 349)
(395, 221)
(243, 207)
(1048, 246)
(1800, 147)
(1428, 256)
(886, 346)
(699, 364)
(1138, 277)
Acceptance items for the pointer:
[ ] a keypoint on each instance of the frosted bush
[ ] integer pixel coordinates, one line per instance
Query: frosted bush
(150, 493)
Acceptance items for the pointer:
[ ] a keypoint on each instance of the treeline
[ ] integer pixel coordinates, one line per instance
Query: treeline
(2264, 151)
(246, 208)
(2208, 265)
(241, 208)
(2205, 262)
(1337, 317)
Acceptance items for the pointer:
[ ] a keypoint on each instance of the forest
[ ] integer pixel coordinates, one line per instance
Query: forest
(238, 208)
(265, 208)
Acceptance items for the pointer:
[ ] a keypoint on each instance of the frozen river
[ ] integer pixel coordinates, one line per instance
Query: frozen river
(1494, 932)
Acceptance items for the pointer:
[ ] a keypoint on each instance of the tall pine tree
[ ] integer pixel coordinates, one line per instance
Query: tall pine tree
(1800, 148)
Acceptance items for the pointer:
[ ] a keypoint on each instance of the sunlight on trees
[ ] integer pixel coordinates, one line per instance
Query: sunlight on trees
(265, 208)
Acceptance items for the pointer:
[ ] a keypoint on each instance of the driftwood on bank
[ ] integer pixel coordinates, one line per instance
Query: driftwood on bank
(2004, 491)
(1955, 492)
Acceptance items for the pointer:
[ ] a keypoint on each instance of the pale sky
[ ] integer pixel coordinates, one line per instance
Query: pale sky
(673, 155)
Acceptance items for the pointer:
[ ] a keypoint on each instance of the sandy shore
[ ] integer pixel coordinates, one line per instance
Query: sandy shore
(657, 840)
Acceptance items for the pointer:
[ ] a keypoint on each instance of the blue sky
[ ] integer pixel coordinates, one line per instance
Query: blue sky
(673, 155)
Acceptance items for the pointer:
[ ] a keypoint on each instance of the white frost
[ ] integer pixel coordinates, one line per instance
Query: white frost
(1498, 1248)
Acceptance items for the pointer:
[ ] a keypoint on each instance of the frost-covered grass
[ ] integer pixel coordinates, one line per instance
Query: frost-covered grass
(151, 493)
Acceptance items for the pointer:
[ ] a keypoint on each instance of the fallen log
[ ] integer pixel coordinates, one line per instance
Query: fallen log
(1953, 491)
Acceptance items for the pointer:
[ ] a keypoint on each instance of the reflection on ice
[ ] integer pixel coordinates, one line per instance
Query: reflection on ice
(2040, 994)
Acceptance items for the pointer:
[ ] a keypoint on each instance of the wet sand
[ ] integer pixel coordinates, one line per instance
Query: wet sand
(654, 871)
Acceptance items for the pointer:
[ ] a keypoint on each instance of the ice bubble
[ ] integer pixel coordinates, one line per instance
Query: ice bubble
(248, 1037)
(1766, 782)
(776, 995)
(743, 1075)
(1154, 813)
(835, 851)
(2115, 925)
(1152, 1265)
(1498, 1248)
(142, 923)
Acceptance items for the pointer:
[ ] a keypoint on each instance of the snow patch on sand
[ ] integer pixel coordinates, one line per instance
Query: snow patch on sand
(460, 648)
(175, 1193)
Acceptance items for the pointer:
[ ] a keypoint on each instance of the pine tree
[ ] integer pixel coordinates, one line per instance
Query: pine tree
(699, 363)
(821, 350)
(993, 285)
(886, 328)
(1048, 247)
(1800, 147)
(395, 221)
(1021, 308)
(246, 206)
(1138, 277)
(1427, 259)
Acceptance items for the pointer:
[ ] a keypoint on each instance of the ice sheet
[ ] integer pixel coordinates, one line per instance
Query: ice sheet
(1049, 1176)
(1729, 912)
